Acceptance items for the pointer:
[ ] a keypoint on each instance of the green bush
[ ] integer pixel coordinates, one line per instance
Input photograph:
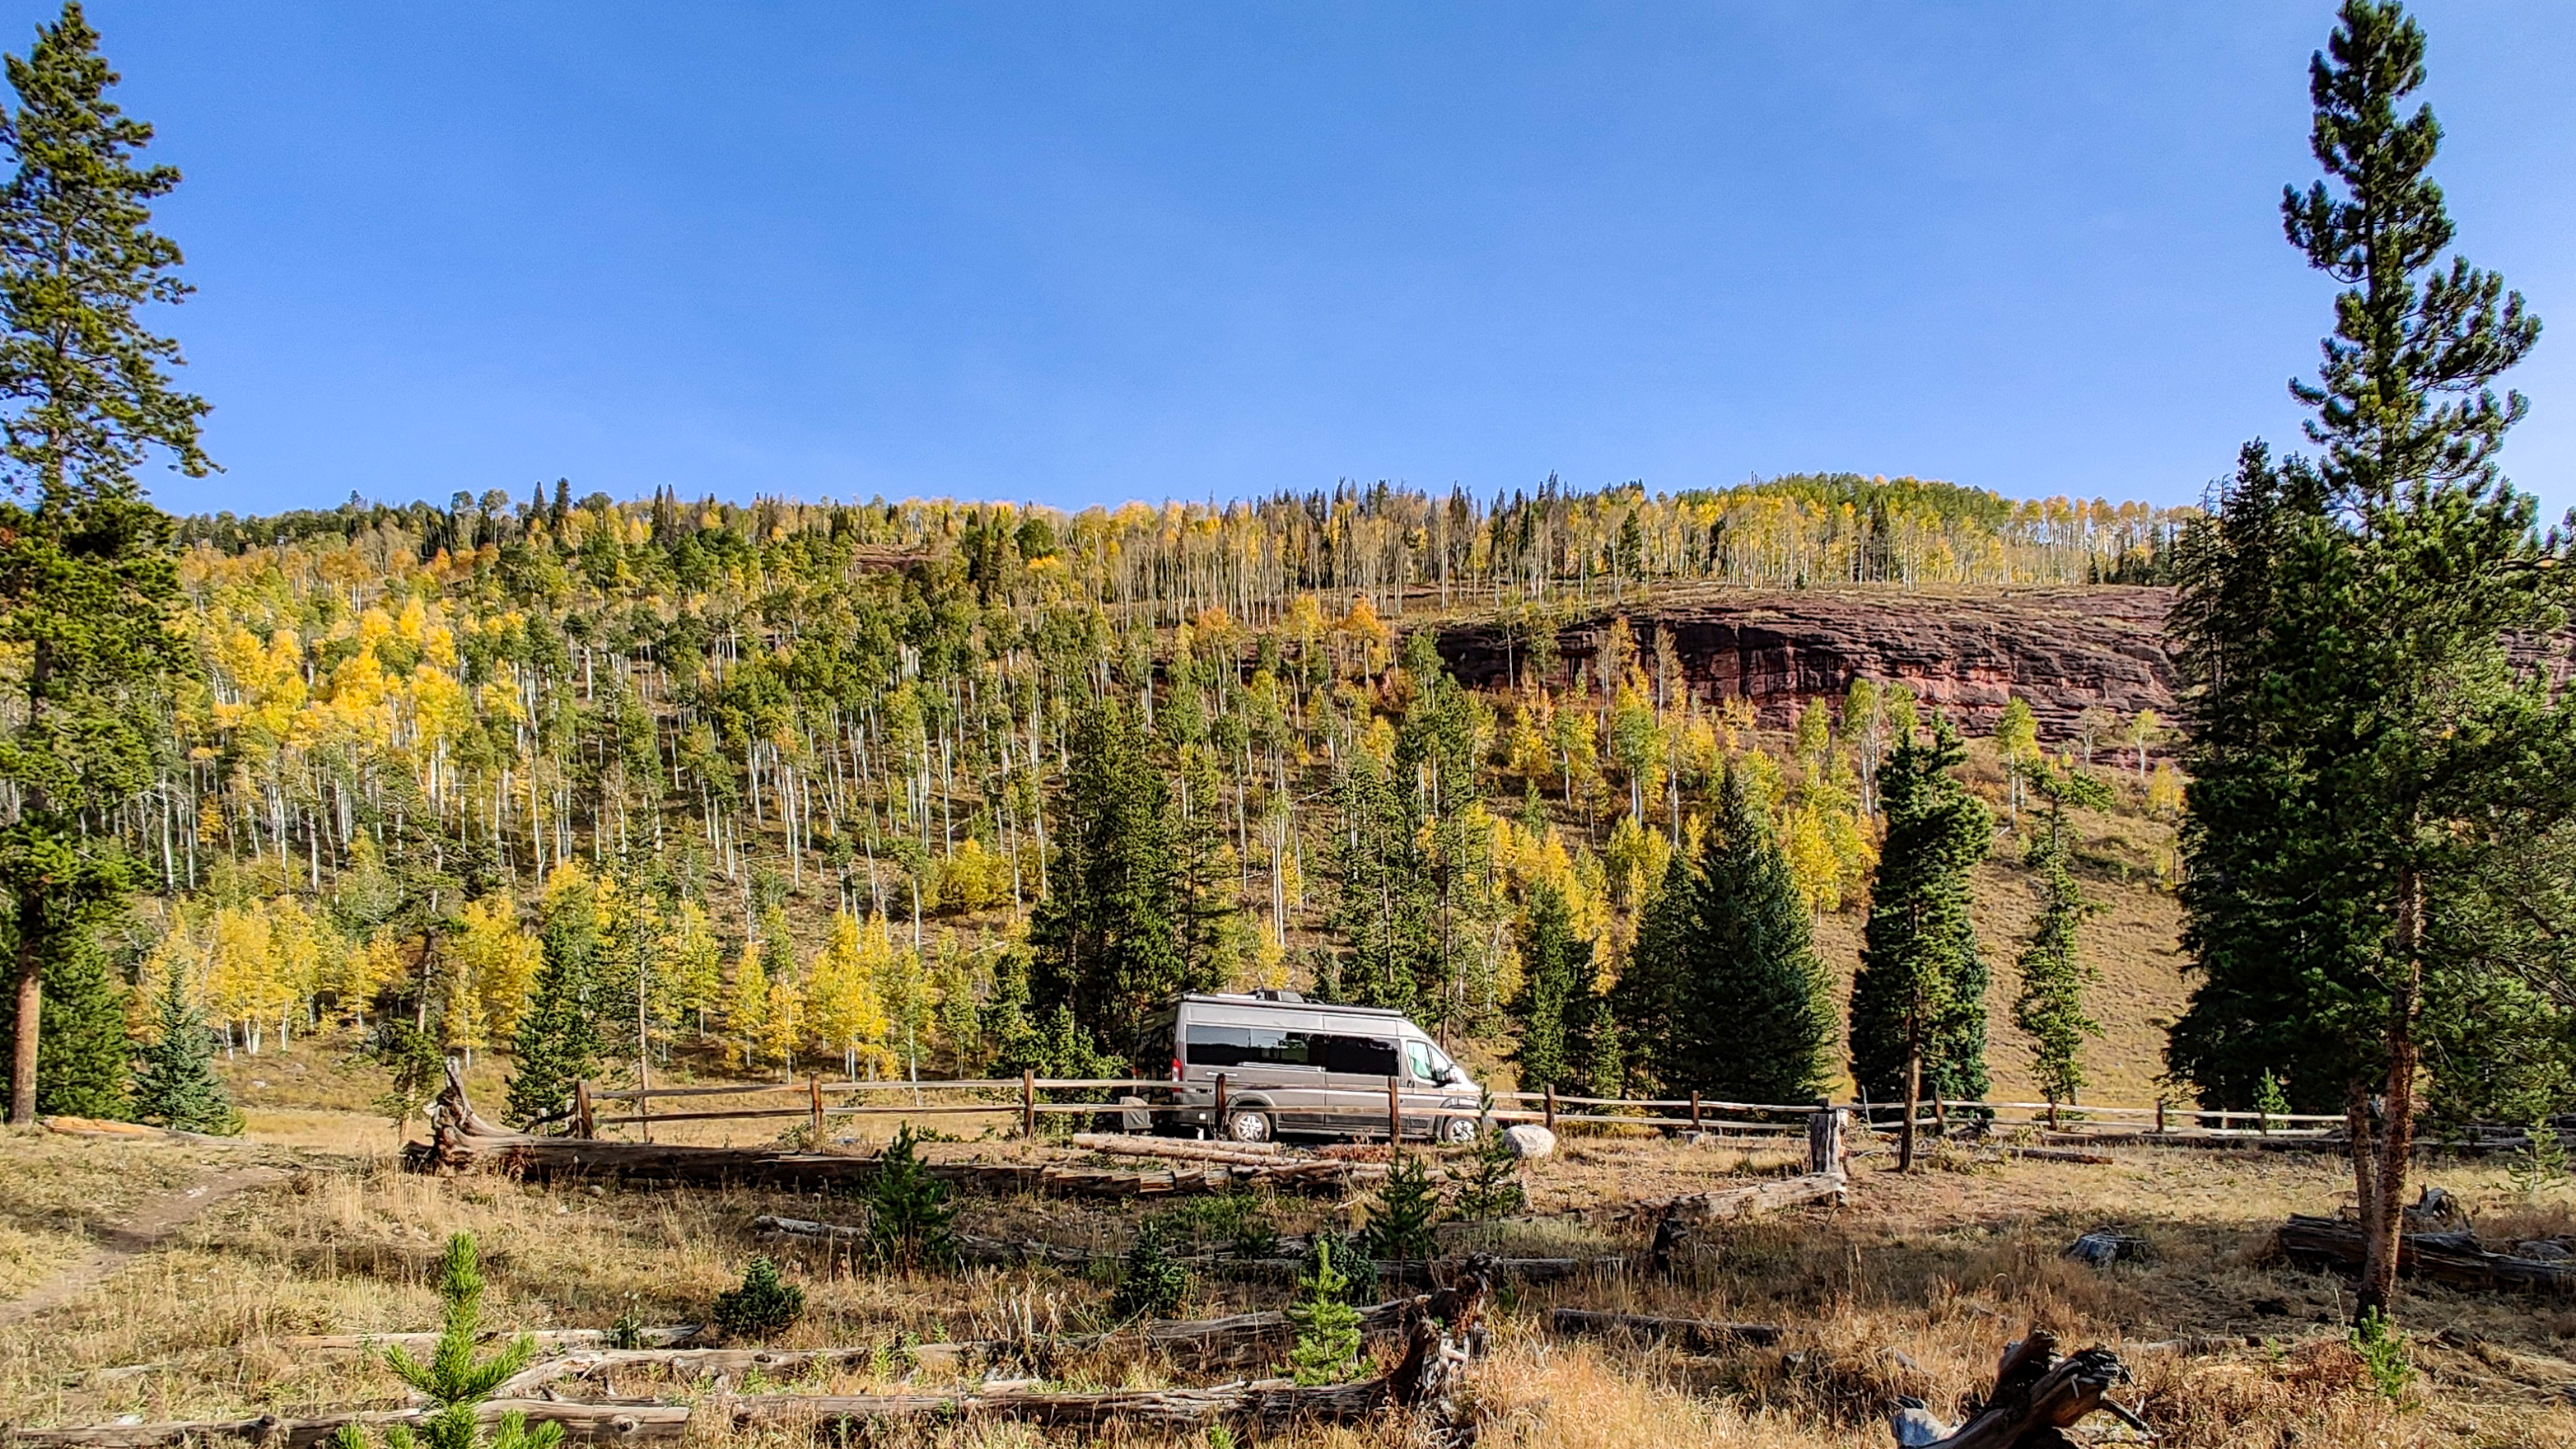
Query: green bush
(2383, 1355)
(1151, 1283)
(1328, 1327)
(908, 1211)
(765, 1304)
(1399, 1222)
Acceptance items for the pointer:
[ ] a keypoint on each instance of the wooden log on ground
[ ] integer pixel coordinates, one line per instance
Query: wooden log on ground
(1738, 1202)
(592, 1423)
(2062, 1154)
(420, 1341)
(1253, 1154)
(1699, 1335)
(2454, 1259)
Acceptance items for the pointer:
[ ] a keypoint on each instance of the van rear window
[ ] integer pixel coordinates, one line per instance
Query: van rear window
(1235, 1046)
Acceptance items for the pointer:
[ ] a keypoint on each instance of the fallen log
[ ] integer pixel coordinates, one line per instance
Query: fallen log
(1738, 1202)
(626, 1423)
(2451, 1258)
(1255, 1154)
(2062, 1154)
(422, 1341)
(1699, 1335)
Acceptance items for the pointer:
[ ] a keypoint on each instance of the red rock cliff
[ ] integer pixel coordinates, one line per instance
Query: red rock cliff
(2063, 650)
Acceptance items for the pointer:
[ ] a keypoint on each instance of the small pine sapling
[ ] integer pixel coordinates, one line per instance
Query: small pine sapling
(2542, 1162)
(1399, 1222)
(175, 1083)
(1328, 1327)
(908, 1211)
(1493, 1186)
(2382, 1350)
(413, 1067)
(2271, 1102)
(1151, 1282)
(765, 1304)
(453, 1380)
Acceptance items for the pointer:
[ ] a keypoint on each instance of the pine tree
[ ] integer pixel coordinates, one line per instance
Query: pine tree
(453, 1379)
(2054, 974)
(1104, 941)
(86, 574)
(1328, 1327)
(175, 1085)
(557, 1043)
(2365, 749)
(1724, 994)
(1918, 1013)
(1555, 999)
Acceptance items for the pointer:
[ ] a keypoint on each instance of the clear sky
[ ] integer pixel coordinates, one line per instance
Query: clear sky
(1081, 253)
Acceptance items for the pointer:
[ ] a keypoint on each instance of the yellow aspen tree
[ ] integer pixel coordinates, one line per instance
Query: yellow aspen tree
(496, 962)
(841, 998)
(746, 1017)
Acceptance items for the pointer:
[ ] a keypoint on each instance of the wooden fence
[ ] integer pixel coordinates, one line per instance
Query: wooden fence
(1030, 1097)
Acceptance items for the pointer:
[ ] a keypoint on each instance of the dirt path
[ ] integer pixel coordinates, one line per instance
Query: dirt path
(151, 1226)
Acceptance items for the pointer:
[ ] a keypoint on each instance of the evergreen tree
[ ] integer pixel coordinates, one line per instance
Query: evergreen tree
(1104, 941)
(2054, 974)
(557, 1043)
(86, 576)
(2364, 741)
(1555, 1000)
(1724, 994)
(1918, 1013)
(175, 1085)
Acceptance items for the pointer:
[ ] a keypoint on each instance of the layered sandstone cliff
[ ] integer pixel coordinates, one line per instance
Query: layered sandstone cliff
(2062, 650)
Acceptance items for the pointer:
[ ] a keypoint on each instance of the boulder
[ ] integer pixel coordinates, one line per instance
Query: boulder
(1528, 1140)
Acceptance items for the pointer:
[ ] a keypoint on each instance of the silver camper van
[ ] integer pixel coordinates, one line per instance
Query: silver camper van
(1295, 1066)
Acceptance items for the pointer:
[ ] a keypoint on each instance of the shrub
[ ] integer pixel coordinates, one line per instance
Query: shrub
(1328, 1327)
(1151, 1283)
(908, 1211)
(1493, 1187)
(2542, 1162)
(765, 1304)
(2382, 1350)
(1399, 1223)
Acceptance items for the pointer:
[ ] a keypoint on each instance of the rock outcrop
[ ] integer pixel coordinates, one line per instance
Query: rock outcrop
(2062, 650)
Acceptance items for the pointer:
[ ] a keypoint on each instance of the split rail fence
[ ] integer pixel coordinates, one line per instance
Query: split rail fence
(1029, 1098)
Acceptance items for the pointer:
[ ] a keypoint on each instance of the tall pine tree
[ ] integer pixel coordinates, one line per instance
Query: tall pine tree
(1556, 1003)
(1724, 994)
(2050, 1006)
(2364, 740)
(1918, 1012)
(86, 576)
(558, 1041)
(1105, 941)
(175, 1084)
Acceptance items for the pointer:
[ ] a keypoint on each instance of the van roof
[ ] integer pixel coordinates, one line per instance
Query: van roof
(1230, 998)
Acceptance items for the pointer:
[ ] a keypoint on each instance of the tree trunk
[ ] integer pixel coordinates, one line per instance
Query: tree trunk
(1913, 1101)
(31, 1004)
(2384, 1198)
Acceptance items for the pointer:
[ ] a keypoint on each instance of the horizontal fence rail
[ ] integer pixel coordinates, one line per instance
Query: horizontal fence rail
(1402, 1112)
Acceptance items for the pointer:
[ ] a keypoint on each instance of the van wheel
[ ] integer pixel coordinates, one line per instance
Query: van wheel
(1245, 1124)
(1457, 1131)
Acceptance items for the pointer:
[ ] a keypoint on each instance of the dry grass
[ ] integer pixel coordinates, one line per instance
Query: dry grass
(1912, 1289)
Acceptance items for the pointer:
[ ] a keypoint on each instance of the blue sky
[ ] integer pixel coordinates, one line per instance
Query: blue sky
(1081, 253)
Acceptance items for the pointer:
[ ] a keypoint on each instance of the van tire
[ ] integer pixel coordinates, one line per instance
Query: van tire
(1457, 1131)
(1247, 1124)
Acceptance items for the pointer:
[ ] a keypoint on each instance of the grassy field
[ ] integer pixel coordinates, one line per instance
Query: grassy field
(1913, 1289)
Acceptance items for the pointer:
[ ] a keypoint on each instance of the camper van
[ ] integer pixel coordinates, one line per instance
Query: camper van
(1292, 1066)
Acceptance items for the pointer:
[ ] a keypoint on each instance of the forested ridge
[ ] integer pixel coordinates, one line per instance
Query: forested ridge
(797, 766)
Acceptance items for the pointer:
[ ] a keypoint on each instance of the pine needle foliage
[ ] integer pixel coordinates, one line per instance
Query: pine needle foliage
(1399, 1223)
(2049, 1008)
(908, 1209)
(1328, 1327)
(1493, 1184)
(175, 1084)
(453, 1378)
(1151, 1282)
(764, 1305)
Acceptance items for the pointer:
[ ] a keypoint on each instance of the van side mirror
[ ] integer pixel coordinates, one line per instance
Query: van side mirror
(1451, 1076)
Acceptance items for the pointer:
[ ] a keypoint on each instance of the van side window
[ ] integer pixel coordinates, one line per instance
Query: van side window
(1365, 1056)
(1236, 1046)
(1417, 1055)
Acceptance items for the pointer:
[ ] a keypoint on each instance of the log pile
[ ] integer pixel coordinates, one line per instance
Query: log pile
(2036, 1398)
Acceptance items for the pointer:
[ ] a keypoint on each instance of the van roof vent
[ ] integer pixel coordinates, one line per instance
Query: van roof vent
(1272, 993)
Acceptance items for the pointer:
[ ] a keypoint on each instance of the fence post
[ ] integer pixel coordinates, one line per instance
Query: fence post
(1029, 1105)
(1825, 1138)
(581, 1109)
(1394, 1111)
(1694, 1111)
(1551, 1106)
(814, 1095)
(2160, 1116)
(2052, 1114)
(1218, 1133)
